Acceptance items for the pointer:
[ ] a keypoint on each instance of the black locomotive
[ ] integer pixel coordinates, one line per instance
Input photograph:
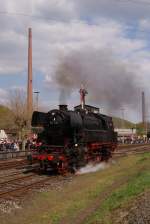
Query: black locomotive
(70, 139)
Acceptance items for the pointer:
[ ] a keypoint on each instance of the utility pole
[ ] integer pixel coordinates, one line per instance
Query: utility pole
(123, 126)
(122, 110)
(37, 99)
(143, 108)
(29, 88)
(144, 117)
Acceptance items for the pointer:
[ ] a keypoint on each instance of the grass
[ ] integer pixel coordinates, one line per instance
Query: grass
(75, 196)
(138, 184)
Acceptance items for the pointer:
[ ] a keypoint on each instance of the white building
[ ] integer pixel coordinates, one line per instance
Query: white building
(128, 132)
(126, 135)
(3, 135)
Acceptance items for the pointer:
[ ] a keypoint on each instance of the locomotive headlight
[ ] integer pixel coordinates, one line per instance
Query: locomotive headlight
(76, 145)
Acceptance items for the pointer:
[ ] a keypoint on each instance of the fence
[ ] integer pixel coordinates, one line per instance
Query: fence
(10, 154)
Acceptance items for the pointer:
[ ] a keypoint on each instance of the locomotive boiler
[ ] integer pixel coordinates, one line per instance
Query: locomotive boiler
(71, 139)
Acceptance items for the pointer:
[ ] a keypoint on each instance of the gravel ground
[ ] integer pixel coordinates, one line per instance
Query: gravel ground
(137, 213)
(9, 205)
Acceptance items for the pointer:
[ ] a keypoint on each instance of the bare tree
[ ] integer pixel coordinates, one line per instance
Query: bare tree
(17, 101)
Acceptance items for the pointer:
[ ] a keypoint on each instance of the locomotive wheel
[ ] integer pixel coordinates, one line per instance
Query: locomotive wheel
(43, 167)
(63, 167)
(105, 154)
(73, 169)
(30, 160)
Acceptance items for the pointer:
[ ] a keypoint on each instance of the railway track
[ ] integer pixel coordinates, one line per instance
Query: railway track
(12, 164)
(17, 187)
(134, 150)
(15, 179)
(17, 184)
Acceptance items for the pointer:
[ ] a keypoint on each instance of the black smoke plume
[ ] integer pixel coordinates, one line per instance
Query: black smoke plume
(109, 81)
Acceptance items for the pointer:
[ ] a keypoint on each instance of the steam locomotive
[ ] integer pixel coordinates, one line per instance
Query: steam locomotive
(71, 139)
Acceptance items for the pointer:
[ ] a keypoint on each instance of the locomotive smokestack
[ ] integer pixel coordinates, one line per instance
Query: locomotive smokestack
(29, 89)
(63, 107)
(83, 93)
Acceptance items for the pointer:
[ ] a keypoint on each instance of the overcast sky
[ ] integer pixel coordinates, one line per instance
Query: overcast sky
(64, 28)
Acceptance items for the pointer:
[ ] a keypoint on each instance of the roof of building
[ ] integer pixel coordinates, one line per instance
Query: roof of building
(86, 106)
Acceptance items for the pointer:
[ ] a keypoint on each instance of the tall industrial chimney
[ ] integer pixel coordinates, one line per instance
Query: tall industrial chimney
(29, 89)
(143, 107)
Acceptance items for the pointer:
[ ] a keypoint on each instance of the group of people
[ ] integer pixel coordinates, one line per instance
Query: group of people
(16, 145)
(124, 140)
(6, 145)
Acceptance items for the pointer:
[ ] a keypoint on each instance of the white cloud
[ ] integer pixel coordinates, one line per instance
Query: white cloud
(144, 24)
(55, 10)
(60, 39)
(122, 10)
(60, 27)
(52, 39)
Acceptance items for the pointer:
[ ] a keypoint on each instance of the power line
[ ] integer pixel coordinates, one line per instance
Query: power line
(15, 14)
(27, 15)
(52, 20)
(133, 1)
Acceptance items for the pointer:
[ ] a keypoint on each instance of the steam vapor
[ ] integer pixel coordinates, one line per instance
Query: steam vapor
(91, 168)
(108, 80)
